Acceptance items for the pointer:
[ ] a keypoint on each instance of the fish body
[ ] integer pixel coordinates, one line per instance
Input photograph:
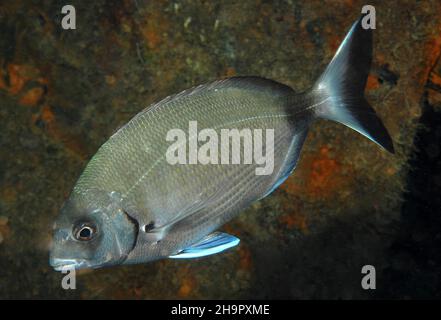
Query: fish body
(131, 205)
(197, 198)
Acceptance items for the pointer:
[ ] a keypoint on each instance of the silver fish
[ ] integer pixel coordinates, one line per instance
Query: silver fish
(131, 206)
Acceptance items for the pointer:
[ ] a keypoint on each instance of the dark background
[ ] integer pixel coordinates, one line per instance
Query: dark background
(349, 204)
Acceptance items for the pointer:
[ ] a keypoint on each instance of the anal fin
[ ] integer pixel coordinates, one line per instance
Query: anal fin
(290, 162)
(213, 243)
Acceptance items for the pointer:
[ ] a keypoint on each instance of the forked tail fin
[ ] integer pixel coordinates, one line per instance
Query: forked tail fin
(338, 93)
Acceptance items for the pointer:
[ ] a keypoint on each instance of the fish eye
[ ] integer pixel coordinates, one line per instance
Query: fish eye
(84, 231)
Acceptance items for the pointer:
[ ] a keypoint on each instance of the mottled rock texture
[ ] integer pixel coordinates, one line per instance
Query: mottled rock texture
(64, 92)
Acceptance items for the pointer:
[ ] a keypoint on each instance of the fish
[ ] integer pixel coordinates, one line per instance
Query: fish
(131, 206)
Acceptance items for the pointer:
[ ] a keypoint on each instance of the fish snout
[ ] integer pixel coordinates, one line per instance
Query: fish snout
(60, 250)
(60, 236)
(62, 264)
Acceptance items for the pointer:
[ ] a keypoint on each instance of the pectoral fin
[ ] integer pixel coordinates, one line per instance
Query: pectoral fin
(213, 243)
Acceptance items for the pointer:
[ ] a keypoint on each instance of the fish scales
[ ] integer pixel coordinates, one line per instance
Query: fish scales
(131, 205)
(129, 169)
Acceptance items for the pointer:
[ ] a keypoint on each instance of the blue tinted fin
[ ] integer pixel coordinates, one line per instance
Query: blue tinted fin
(213, 243)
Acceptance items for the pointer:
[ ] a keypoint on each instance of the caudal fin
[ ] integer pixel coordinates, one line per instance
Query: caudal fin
(338, 93)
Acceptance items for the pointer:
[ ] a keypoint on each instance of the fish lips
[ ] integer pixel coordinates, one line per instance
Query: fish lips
(68, 264)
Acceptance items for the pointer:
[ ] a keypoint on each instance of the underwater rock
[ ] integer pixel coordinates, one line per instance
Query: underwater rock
(345, 192)
(3, 221)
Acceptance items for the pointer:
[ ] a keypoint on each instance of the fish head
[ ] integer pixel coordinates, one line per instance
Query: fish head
(92, 231)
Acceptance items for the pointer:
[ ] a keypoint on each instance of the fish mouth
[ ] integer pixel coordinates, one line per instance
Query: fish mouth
(68, 264)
